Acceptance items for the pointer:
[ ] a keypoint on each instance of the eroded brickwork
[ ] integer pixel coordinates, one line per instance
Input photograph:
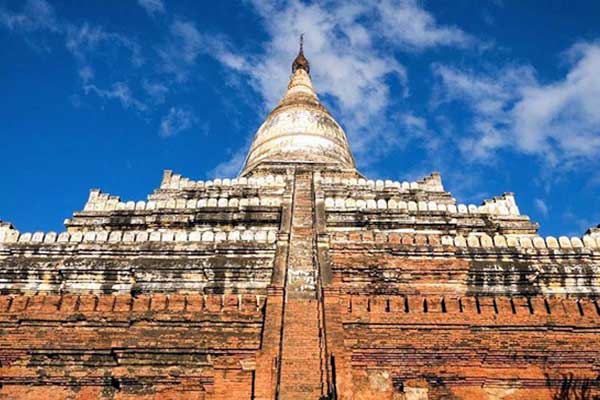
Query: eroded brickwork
(432, 313)
(300, 279)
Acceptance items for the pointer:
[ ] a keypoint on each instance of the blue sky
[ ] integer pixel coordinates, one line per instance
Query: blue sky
(496, 95)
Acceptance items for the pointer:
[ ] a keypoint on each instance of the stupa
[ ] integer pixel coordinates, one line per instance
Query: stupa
(299, 279)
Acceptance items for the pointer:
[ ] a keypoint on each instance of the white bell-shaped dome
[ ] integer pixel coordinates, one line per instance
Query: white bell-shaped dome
(300, 129)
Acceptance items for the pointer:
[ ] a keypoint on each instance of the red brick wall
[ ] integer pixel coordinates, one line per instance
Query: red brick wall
(531, 352)
(121, 347)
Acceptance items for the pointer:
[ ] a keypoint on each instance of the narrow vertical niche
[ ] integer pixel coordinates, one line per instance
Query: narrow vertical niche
(253, 386)
(333, 374)
(425, 307)
(547, 305)
(579, 307)
(369, 305)
(350, 305)
(387, 305)
(597, 306)
(11, 299)
(495, 305)
(460, 305)
(406, 308)
(512, 306)
(477, 305)
(530, 305)
(443, 303)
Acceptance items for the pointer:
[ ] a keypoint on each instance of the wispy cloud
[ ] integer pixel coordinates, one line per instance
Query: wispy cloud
(351, 69)
(407, 24)
(119, 91)
(185, 43)
(36, 15)
(558, 121)
(176, 120)
(230, 167)
(86, 74)
(156, 90)
(542, 207)
(80, 39)
(152, 7)
(489, 99)
(580, 224)
(353, 72)
(85, 40)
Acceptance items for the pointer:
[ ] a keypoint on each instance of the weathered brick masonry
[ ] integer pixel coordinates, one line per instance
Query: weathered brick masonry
(299, 279)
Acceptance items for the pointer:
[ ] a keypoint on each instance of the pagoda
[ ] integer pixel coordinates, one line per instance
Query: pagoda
(299, 279)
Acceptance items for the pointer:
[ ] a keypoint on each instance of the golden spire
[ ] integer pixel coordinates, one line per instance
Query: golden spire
(301, 62)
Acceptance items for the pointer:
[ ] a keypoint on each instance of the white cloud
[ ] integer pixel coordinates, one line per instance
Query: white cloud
(85, 40)
(37, 15)
(581, 224)
(343, 43)
(563, 117)
(80, 39)
(352, 70)
(177, 120)
(489, 98)
(407, 24)
(185, 43)
(183, 46)
(416, 128)
(119, 91)
(541, 206)
(152, 7)
(231, 167)
(86, 74)
(156, 90)
(346, 64)
(511, 109)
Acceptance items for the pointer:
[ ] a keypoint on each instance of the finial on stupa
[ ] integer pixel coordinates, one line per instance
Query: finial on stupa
(301, 62)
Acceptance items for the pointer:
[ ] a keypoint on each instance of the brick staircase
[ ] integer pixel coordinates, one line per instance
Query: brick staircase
(301, 362)
(301, 375)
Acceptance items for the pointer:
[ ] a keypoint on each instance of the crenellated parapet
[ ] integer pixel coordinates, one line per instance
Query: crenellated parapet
(185, 204)
(14, 237)
(535, 310)
(207, 236)
(431, 183)
(173, 181)
(208, 260)
(421, 206)
(391, 262)
(594, 232)
(63, 307)
(7, 231)
(475, 241)
(180, 193)
(501, 206)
